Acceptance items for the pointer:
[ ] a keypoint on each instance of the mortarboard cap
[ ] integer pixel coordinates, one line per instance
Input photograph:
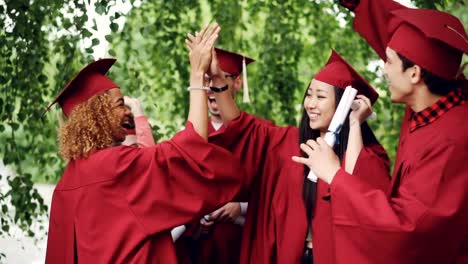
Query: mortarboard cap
(340, 73)
(231, 62)
(432, 39)
(90, 81)
(235, 64)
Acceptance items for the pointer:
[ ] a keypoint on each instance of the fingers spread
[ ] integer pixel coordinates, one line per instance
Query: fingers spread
(321, 142)
(313, 144)
(202, 33)
(213, 32)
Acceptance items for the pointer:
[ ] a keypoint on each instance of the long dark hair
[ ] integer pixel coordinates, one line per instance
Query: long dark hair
(309, 189)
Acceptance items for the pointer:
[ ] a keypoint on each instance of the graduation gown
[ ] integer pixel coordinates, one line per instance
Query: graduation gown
(119, 204)
(423, 216)
(276, 223)
(222, 245)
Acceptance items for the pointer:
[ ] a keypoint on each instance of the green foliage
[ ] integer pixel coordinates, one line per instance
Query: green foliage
(42, 46)
(35, 62)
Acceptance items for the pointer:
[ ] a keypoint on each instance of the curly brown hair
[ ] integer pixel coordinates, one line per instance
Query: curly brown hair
(91, 126)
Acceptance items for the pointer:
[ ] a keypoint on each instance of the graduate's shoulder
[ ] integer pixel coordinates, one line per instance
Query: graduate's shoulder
(104, 165)
(452, 125)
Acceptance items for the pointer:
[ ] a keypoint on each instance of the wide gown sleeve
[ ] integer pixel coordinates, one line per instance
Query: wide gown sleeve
(373, 21)
(425, 218)
(176, 181)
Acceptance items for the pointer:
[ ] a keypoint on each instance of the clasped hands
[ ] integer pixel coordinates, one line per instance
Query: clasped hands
(201, 51)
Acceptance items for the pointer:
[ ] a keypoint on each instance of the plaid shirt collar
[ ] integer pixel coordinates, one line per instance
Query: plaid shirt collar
(436, 110)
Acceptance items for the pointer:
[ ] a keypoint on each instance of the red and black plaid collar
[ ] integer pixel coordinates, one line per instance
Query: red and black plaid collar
(436, 110)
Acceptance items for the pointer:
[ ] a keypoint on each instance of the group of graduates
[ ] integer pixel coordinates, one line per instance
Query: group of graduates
(235, 188)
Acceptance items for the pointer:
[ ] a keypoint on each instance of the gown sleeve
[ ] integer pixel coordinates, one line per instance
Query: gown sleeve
(422, 219)
(374, 21)
(143, 132)
(250, 139)
(176, 181)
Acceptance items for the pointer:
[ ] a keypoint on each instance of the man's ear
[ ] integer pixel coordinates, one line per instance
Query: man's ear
(415, 74)
(238, 83)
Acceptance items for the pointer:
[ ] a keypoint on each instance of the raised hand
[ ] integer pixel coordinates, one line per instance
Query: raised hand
(215, 70)
(135, 106)
(201, 46)
(361, 110)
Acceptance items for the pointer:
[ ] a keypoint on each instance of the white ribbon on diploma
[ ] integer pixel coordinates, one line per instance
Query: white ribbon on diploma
(337, 121)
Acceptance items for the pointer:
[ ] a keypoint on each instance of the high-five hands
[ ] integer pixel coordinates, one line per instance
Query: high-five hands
(201, 46)
(215, 70)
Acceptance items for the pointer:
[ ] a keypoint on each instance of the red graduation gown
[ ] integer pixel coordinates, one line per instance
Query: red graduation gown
(119, 204)
(423, 217)
(222, 245)
(373, 21)
(276, 222)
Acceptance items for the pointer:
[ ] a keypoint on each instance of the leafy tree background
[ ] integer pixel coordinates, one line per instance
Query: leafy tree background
(44, 43)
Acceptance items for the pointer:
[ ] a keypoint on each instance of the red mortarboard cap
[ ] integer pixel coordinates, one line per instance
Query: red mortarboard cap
(431, 39)
(340, 73)
(234, 63)
(231, 62)
(90, 81)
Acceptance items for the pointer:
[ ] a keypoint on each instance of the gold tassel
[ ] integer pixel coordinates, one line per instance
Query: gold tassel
(60, 119)
(246, 97)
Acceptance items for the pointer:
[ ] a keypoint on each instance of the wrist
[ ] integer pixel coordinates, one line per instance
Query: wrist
(331, 174)
(354, 121)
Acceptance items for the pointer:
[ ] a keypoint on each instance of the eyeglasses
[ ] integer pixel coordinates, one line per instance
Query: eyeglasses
(207, 79)
(232, 76)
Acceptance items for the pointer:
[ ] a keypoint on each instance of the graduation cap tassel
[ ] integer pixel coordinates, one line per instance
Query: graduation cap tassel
(246, 97)
(60, 118)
